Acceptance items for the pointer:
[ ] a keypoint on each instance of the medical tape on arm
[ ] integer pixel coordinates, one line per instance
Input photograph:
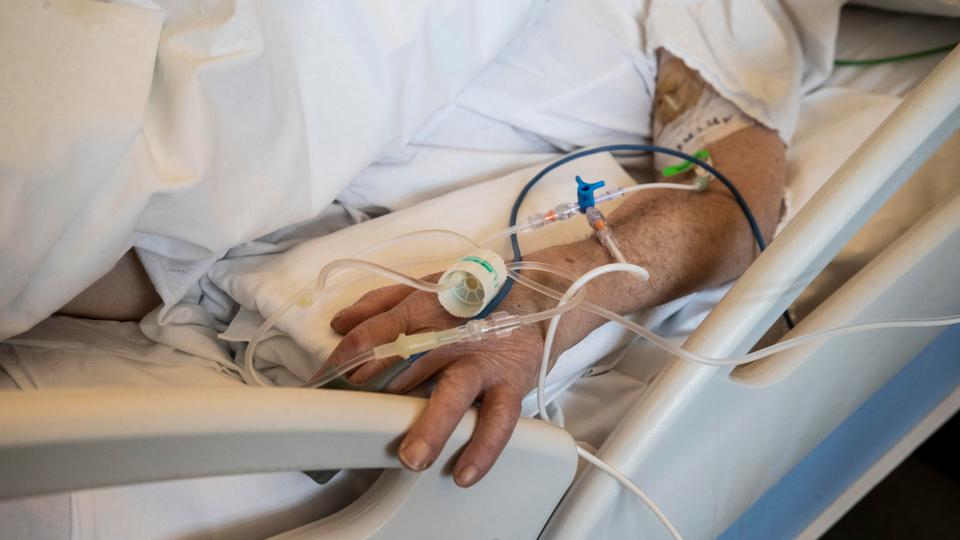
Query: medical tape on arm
(712, 118)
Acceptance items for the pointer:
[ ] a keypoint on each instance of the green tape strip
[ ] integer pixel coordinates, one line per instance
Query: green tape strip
(489, 267)
(673, 170)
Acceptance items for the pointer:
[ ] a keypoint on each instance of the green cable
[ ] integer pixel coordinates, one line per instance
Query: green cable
(898, 58)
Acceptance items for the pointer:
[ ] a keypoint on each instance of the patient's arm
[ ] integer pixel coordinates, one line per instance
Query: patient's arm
(123, 294)
(686, 240)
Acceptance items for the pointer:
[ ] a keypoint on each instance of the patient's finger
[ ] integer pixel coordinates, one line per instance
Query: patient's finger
(374, 331)
(498, 416)
(453, 396)
(424, 368)
(370, 304)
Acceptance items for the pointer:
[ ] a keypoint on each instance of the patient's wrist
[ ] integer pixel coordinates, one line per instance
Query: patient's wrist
(617, 292)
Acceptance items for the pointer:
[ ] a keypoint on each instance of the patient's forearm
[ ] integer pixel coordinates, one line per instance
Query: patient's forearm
(687, 240)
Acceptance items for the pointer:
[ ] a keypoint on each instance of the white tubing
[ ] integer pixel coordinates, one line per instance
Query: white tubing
(406, 236)
(617, 255)
(733, 360)
(576, 289)
(609, 196)
(251, 376)
(416, 234)
(249, 372)
(627, 483)
(579, 283)
(661, 185)
(555, 321)
(332, 372)
(379, 270)
(501, 234)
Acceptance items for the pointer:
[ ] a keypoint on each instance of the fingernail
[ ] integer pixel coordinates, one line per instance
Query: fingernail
(337, 314)
(467, 476)
(415, 455)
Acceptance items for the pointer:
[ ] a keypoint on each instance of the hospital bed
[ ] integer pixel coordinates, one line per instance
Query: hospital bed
(677, 441)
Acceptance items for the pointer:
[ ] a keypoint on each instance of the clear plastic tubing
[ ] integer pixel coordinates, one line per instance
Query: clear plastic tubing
(407, 236)
(417, 234)
(620, 192)
(496, 325)
(575, 288)
(315, 289)
(565, 211)
(734, 360)
(313, 292)
(331, 373)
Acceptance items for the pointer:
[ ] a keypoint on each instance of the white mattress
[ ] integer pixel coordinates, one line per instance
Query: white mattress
(261, 504)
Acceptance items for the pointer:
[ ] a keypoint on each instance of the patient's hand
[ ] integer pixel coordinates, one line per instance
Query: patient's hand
(686, 241)
(498, 372)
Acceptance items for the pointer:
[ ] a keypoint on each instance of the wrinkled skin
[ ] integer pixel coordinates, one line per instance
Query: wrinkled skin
(497, 372)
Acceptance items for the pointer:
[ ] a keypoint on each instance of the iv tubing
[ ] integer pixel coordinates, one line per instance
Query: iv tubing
(474, 330)
(423, 232)
(316, 289)
(515, 209)
(554, 321)
(603, 197)
(658, 185)
(734, 360)
(626, 482)
(345, 367)
(565, 304)
(319, 287)
(250, 374)
(616, 253)
(308, 293)
(577, 289)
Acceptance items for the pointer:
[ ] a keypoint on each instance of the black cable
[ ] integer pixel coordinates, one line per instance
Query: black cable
(515, 211)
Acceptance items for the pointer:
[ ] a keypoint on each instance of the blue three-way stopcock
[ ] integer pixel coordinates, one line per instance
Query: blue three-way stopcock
(585, 191)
